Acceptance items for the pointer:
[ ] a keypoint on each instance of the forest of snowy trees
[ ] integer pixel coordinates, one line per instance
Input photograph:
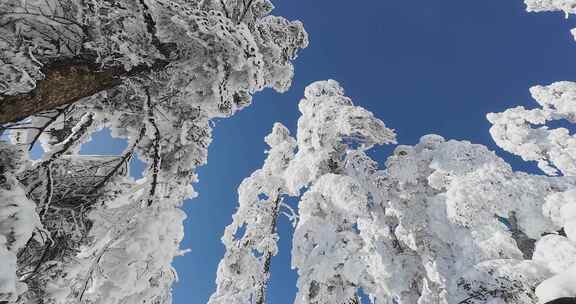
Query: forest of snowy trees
(440, 222)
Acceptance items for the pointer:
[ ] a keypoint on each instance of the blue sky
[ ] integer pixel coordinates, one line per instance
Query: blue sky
(421, 66)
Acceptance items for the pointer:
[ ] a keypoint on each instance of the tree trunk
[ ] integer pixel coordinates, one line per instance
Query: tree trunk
(261, 296)
(66, 82)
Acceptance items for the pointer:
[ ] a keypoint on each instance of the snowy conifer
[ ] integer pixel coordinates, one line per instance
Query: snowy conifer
(251, 239)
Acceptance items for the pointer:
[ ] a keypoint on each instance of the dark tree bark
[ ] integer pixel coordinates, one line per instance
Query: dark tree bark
(67, 82)
(563, 301)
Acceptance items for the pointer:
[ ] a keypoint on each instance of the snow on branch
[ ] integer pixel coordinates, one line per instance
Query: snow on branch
(154, 72)
(524, 132)
(329, 126)
(251, 239)
(566, 6)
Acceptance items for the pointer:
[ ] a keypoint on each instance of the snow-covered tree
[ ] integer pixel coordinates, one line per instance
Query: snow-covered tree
(155, 72)
(439, 222)
(524, 133)
(251, 239)
(327, 248)
(231, 48)
(444, 221)
(450, 198)
(329, 125)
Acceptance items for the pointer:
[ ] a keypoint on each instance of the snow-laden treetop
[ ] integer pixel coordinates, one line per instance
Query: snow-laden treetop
(329, 125)
(441, 222)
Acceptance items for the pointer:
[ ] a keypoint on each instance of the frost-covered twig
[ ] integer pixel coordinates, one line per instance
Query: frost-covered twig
(49, 193)
(93, 267)
(126, 156)
(52, 119)
(155, 166)
(78, 132)
(292, 215)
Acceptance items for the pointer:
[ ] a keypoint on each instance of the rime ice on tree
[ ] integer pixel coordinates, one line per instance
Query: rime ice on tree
(244, 271)
(444, 221)
(155, 73)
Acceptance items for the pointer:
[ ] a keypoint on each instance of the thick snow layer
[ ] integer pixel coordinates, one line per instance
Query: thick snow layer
(330, 124)
(556, 252)
(559, 286)
(523, 132)
(7, 272)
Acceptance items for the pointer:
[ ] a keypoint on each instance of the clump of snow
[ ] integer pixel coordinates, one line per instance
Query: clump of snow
(556, 252)
(562, 285)
(566, 6)
(18, 219)
(523, 132)
(330, 124)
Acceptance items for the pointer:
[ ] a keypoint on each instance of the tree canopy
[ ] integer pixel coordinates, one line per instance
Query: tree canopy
(441, 221)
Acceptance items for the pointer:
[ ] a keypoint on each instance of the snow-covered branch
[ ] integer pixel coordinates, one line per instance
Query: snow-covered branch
(251, 239)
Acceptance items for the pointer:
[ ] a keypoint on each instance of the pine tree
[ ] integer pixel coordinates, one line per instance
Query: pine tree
(155, 72)
(251, 239)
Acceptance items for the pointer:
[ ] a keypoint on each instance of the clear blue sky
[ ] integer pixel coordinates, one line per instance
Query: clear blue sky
(421, 66)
